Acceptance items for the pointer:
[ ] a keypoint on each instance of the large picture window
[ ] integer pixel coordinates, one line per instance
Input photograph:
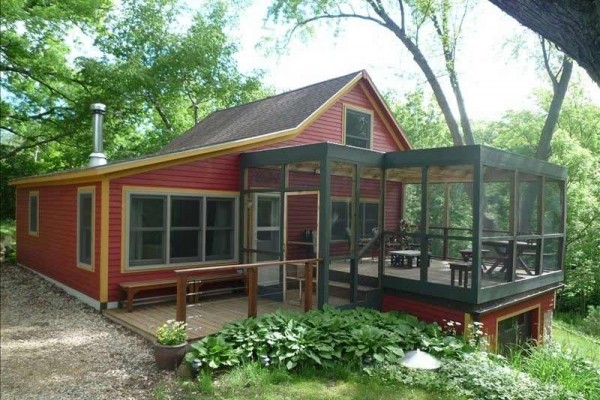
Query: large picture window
(358, 128)
(169, 229)
(85, 228)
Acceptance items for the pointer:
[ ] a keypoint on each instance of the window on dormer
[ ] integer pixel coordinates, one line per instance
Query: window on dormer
(358, 128)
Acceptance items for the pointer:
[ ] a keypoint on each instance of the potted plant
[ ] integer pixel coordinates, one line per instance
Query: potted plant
(171, 344)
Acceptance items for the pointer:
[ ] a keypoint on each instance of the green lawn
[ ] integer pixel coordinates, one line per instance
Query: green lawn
(579, 343)
(253, 382)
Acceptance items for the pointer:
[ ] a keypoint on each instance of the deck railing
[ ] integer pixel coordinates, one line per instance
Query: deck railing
(185, 275)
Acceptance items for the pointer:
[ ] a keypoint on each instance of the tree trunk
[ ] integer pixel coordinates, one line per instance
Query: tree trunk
(573, 25)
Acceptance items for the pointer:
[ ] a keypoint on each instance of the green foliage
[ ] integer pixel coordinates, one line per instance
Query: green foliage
(591, 323)
(172, 333)
(554, 364)
(321, 339)
(8, 240)
(213, 352)
(145, 65)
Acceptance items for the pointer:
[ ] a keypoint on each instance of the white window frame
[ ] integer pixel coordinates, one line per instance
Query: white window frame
(363, 111)
(32, 194)
(168, 264)
(91, 190)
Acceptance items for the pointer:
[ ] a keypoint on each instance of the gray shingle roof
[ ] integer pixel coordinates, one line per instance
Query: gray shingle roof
(273, 114)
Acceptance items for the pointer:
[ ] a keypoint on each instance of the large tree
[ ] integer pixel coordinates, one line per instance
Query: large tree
(156, 74)
(573, 25)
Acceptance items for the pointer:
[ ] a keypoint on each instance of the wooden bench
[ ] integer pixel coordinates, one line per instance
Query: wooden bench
(463, 268)
(133, 288)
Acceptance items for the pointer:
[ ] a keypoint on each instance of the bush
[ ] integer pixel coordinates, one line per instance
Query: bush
(554, 364)
(591, 323)
(321, 339)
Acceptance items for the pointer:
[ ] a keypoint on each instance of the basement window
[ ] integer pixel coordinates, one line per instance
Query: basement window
(34, 213)
(358, 128)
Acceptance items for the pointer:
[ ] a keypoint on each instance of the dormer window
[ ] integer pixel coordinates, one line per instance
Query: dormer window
(358, 127)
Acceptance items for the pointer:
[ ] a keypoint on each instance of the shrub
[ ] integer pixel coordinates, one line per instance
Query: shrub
(171, 333)
(322, 339)
(554, 364)
(591, 323)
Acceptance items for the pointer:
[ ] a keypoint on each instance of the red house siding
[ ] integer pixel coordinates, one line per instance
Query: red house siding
(425, 311)
(434, 313)
(328, 127)
(302, 211)
(54, 251)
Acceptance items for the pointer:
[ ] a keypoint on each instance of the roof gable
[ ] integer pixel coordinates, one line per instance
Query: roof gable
(278, 113)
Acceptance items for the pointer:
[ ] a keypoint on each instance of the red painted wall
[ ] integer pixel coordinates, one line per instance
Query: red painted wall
(54, 251)
(302, 211)
(434, 313)
(424, 311)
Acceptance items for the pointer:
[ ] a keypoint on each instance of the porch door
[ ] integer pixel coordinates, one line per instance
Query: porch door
(266, 234)
(301, 238)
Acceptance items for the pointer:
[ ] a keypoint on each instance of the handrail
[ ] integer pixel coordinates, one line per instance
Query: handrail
(183, 276)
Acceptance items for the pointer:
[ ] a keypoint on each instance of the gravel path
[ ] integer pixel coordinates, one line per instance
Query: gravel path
(54, 347)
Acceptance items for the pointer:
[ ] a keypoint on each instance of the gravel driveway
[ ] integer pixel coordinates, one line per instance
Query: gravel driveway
(54, 347)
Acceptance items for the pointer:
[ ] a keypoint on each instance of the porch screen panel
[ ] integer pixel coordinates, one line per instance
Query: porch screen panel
(85, 228)
(219, 228)
(186, 229)
(147, 230)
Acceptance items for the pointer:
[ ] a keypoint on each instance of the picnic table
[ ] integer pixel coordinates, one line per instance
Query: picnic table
(404, 258)
(503, 250)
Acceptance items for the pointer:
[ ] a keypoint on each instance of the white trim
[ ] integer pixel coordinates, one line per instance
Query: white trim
(31, 194)
(86, 190)
(84, 298)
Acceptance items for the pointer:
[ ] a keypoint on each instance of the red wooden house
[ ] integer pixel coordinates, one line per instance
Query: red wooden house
(322, 171)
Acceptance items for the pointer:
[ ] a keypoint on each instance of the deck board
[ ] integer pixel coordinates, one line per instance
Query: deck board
(204, 318)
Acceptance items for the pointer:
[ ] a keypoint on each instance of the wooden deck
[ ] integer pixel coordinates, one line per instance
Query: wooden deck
(204, 318)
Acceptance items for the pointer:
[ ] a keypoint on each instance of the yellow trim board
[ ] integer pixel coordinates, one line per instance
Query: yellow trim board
(159, 161)
(104, 251)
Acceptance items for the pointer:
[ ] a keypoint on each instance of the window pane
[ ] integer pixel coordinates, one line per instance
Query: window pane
(529, 192)
(147, 212)
(358, 124)
(368, 219)
(268, 212)
(553, 207)
(219, 244)
(185, 244)
(33, 212)
(146, 246)
(185, 212)
(339, 220)
(85, 228)
(219, 213)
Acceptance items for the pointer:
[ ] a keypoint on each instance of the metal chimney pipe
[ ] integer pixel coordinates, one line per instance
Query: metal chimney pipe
(97, 158)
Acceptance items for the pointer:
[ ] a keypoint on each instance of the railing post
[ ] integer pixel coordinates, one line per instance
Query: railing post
(252, 292)
(181, 296)
(445, 250)
(308, 286)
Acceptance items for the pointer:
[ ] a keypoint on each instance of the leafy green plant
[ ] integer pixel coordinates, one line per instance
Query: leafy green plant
(591, 323)
(171, 333)
(321, 339)
(212, 352)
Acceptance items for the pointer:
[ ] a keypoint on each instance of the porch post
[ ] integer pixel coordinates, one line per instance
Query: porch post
(478, 212)
(308, 285)
(424, 223)
(324, 231)
(252, 292)
(181, 297)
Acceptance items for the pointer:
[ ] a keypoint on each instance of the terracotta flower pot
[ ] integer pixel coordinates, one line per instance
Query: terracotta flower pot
(168, 357)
